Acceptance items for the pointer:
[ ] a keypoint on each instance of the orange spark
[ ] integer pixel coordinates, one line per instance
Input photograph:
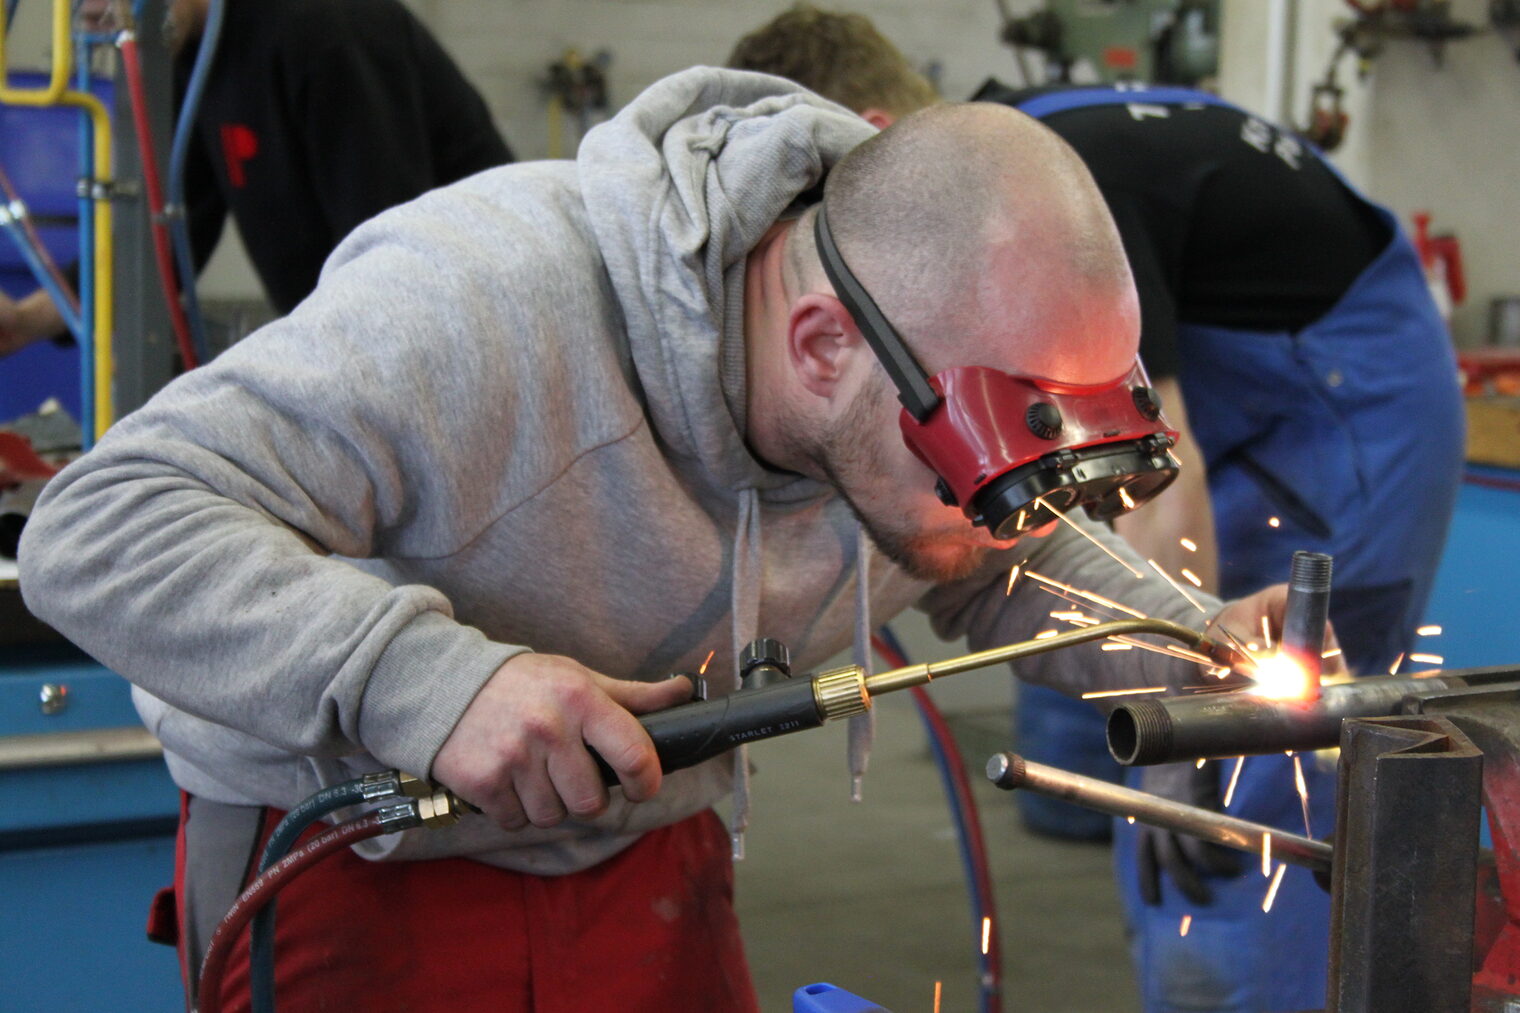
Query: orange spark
(1266, 855)
(1393, 670)
(1040, 501)
(986, 933)
(1273, 522)
(1122, 692)
(1046, 634)
(1200, 763)
(1433, 630)
(1130, 820)
(1428, 659)
(1183, 652)
(1187, 923)
(1240, 761)
(1191, 577)
(1090, 596)
(1266, 903)
(1266, 633)
(1118, 647)
(1176, 586)
(1125, 498)
(1188, 544)
(1334, 652)
(1303, 793)
(702, 669)
(937, 986)
(1013, 575)
(1068, 615)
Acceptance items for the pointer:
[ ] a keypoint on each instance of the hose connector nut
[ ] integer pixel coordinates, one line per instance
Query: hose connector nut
(841, 692)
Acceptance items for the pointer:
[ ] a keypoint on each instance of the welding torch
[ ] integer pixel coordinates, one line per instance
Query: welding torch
(775, 703)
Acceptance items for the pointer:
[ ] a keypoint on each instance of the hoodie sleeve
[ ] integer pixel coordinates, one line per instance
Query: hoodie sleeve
(192, 550)
(990, 613)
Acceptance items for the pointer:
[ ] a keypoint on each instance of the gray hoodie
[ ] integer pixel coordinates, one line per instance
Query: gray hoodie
(509, 418)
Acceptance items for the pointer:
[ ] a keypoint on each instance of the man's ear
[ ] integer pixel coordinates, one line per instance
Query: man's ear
(820, 338)
(877, 117)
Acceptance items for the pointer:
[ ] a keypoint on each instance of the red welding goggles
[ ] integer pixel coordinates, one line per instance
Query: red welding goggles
(1011, 451)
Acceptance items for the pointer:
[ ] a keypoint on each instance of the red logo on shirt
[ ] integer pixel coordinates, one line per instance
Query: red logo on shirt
(239, 144)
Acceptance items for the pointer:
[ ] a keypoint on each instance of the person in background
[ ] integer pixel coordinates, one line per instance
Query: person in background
(1286, 321)
(538, 440)
(317, 115)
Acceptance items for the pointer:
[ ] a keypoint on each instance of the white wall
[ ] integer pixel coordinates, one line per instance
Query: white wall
(1443, 139)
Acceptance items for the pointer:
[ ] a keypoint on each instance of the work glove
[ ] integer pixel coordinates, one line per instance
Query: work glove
(1186, 859)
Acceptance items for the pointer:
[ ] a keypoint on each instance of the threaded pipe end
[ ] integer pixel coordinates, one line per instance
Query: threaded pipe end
(1140, 733)
(1310, 571)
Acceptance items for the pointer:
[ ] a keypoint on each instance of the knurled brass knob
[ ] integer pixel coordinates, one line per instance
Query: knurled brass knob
(841, 692)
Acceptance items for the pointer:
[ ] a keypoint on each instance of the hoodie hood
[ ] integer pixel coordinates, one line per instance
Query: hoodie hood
(680, 186)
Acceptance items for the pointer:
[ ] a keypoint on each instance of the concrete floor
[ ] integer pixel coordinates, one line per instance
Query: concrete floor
(871, 897)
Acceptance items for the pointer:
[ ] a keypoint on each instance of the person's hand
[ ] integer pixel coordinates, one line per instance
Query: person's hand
(28, 320)
(519, 750)
(1187, 860)
(1240, 623)
(11, 337)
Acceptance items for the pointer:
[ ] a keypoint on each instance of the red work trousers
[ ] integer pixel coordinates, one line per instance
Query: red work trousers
(652, 928)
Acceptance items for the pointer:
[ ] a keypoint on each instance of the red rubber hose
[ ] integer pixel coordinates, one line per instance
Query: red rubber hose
(262, 890)
(162, 254)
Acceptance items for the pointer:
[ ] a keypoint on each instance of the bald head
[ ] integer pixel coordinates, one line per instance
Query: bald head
(982, 237)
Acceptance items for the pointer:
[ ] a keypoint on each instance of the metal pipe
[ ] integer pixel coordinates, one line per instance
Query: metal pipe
(61, 749)
(1241, 723)
(1010, 771)
(1305, 614)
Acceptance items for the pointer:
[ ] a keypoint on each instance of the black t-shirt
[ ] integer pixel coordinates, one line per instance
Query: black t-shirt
(317, 115)
(1227, 220)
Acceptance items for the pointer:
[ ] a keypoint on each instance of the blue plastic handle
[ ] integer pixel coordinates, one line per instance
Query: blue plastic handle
(826, 998)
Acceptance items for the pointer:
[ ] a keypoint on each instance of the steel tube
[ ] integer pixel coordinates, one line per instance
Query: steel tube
(1306, 612)
(1010, 771)
(1240, 723)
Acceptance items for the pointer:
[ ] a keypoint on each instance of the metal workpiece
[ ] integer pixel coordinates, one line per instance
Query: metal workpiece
(1406, 845)
(841, 692)
(1242, 723)
(1306, 613)
(1010, 771)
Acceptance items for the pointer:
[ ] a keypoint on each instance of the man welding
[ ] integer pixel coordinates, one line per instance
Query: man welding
(1286, 322)
(545, 436)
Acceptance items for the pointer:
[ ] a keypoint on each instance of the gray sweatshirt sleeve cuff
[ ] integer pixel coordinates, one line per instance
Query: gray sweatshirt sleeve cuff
(421, 685)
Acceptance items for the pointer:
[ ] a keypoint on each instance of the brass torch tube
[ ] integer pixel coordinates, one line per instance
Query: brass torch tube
(916, 675)
(1009, 771)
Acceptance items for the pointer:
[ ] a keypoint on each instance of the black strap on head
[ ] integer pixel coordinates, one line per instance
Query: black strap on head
(913, 388)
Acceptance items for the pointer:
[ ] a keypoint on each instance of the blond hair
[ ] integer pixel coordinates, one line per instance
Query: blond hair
(840, 56)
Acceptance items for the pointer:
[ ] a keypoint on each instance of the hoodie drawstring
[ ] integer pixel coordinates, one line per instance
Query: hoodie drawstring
(862, 726)
(748, 562)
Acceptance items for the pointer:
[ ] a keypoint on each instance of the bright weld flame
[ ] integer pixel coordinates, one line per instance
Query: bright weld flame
(1303, 793)
(1279, 677)
(1013, 575)
(1117, 647)
(1266, 855)
(1266, 903)
(1428, 659)
(937, 986)
(1187, 923)
(1176, 586)
(1124, 497)
(1394, 668)
(1188, 544)
(986, 933)
(1229, 795)
(1090, 596)
(1122, 692)
(1040, 501)
(1433, 630)
(1191, 577)
(702, 670)
(1273, 522)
